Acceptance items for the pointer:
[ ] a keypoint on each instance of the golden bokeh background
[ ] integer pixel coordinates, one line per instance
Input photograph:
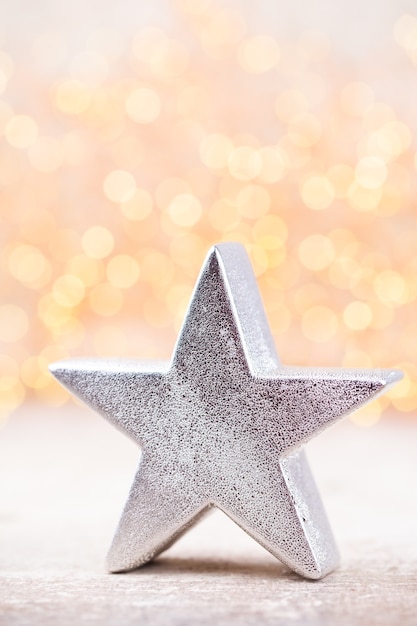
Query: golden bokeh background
(124, 156)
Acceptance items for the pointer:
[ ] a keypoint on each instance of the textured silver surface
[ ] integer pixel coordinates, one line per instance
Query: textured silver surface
(221, 425)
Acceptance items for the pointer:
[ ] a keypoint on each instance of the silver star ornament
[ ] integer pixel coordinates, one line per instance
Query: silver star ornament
(222, 424)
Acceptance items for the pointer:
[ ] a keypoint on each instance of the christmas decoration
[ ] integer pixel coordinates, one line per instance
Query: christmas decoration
(221, 425)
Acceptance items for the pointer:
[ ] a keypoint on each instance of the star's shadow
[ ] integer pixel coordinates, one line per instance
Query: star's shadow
(166, 566)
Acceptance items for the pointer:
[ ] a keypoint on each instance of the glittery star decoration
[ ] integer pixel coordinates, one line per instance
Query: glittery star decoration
(221, 425)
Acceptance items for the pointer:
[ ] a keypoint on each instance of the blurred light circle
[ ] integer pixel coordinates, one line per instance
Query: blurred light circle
(357, 315)
(316, 252)
(185, 210)
(143, 105)
(97, 242)
(317, 193)
(21, 131)
(119, 186)
(122, 271)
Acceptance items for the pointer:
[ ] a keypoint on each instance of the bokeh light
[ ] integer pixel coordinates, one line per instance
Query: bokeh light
(124, 157)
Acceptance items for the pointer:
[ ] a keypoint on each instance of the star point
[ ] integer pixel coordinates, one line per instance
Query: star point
(221, 424)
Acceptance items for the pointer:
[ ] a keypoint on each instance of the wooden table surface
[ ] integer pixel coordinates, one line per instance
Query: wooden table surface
(64, 476)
